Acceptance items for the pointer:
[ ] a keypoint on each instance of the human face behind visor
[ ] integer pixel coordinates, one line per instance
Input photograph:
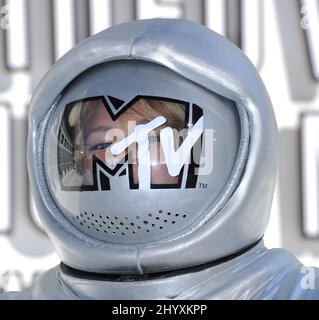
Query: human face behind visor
(94, 132)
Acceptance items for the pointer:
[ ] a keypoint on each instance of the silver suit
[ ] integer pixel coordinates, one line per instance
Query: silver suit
(111, 236)
(256, 274)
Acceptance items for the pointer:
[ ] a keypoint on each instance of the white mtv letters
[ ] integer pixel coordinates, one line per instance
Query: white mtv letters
(175, 160)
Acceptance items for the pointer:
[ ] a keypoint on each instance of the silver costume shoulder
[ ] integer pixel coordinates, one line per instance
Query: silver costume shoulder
(257, 274)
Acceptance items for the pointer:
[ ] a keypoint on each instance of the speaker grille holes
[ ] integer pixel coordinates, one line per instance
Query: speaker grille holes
(135, 226)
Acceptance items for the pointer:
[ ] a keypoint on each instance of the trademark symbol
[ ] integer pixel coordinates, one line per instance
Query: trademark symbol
(203, 186)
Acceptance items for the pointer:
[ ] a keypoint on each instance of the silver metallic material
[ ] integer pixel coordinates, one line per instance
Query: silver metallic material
(256, 274)
(174, 205)
(215, 64)
(223, 223)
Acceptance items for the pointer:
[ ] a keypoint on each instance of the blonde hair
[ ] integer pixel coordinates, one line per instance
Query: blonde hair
(152, 108)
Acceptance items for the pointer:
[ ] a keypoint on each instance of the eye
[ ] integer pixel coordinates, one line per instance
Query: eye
(100, 146)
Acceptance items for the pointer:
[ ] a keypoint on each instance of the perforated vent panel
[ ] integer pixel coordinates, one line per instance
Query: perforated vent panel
(129, 229)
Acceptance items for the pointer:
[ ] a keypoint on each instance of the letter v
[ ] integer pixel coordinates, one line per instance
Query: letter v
(175, 160)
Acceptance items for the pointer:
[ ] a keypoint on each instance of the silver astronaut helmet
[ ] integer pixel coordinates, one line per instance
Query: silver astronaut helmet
(152, 147)
(134, 153)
